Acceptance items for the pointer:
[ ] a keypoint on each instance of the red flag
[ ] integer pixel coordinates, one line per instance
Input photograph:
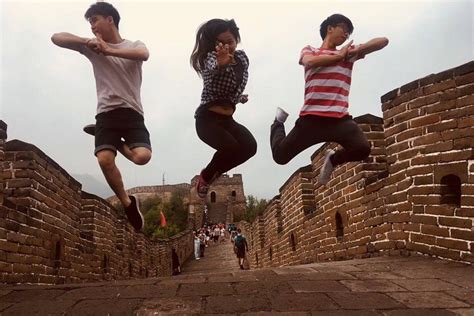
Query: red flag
(163, 219)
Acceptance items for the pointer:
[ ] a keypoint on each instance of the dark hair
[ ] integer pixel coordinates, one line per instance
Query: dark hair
(239, 230)
(105, 9)
(206, 39)
(334, 20)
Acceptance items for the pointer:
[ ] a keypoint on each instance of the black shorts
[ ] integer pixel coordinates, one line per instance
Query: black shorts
(124, 123)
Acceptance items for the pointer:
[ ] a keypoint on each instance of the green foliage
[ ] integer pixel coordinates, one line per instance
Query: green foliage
(253, 208)
(175, 211)
(165, 232)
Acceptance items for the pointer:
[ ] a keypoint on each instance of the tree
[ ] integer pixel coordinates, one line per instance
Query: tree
(253, 208)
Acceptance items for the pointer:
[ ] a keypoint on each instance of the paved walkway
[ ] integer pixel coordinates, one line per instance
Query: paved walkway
(218, 257)
(377, 286)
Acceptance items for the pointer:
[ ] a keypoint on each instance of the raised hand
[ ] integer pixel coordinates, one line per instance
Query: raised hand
(223, 55)
(93, 45)
(355, 52)
(345, 50)
(101, 44)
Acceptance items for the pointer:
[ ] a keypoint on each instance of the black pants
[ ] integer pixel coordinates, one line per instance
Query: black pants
(234, 142)
(311, 129)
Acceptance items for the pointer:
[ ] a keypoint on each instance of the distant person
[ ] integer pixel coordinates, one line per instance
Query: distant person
(117, 65)
(324, 116)
(197, 246)
(224, 71)
(241, 247)
(175, 262)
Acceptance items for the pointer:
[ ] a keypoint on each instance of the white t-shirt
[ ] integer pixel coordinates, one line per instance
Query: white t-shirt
(118, 80)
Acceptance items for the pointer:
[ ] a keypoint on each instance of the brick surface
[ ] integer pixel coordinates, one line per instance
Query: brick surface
(311, 301)
(317, 286)
(420, 285)
(427, 300)
(373, 286)
(364, 301)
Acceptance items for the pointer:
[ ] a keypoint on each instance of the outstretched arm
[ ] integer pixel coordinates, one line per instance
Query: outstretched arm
(69, 41)
(371, 46)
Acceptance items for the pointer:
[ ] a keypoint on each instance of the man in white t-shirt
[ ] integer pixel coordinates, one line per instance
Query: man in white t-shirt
(117, 65)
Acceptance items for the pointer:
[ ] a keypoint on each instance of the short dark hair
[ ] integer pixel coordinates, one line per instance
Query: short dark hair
(334, 20)
(105, 9)
(206, 39)
(239, 230)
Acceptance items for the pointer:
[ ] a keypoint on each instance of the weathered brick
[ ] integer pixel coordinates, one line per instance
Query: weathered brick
(425, 239)
(398, 218)
(435, 230)
(446, 253)
(446, 103)
(424, 100)
(424, 219)
(425, 120)
(452, 244)
(465, 90)
(439, 210)
(456, 222)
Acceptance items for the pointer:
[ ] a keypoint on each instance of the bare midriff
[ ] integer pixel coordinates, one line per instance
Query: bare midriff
(222, 109)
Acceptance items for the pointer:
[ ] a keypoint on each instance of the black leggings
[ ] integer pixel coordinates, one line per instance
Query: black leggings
(311, 129)
(234, 142)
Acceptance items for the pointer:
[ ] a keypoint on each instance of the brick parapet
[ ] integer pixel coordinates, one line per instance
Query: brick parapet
(52, 232)
(391, 202)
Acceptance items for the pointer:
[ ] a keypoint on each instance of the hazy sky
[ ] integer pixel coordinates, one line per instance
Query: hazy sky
(48, 93)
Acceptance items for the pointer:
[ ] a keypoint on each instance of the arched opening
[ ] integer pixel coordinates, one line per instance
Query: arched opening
(451, 190)
(234, 194)
(339, 227)
(270, 252)
(130, 269)
(213, 197)
(293, 242)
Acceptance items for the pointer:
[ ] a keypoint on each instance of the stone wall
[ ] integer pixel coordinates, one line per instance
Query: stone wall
(52, 232)
(162, 191)
(225, 199)
(414, 193)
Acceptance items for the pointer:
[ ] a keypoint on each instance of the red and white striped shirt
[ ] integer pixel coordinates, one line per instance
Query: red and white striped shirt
(327, 88)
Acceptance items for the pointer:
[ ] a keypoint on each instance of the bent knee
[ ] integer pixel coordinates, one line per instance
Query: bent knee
(106, 159)
(142, 158)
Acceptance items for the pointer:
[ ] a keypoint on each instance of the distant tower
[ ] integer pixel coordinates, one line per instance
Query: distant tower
(163, 179)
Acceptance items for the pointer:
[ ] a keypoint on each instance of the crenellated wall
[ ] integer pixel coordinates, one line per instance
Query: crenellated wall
(162, 191)
(414, 193)
(52, 232)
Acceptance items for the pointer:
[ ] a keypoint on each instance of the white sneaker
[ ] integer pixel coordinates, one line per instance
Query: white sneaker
(281, 115)
(327, 168)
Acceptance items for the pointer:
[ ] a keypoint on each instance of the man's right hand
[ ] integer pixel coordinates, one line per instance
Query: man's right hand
(95, 45)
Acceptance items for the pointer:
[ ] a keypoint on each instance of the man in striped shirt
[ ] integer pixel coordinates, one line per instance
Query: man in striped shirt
(324, 116)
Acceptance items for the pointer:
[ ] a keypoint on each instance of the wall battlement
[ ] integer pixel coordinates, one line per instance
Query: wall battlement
(414, 193)
(52, 232)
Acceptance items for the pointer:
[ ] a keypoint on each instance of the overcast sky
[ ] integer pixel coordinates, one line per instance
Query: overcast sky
(48, 93)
